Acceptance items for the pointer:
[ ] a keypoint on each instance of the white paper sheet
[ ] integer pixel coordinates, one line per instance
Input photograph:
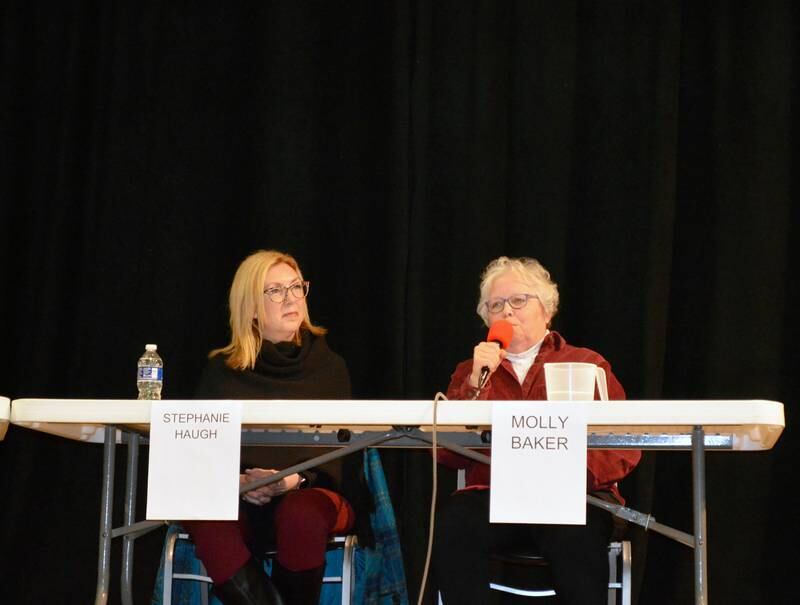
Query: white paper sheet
(539, 462)
(194, 460)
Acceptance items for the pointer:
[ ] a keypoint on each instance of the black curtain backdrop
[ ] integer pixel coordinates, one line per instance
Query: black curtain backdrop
(645, 152)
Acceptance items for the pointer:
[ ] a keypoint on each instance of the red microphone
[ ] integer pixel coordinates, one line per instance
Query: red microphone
(500, 332)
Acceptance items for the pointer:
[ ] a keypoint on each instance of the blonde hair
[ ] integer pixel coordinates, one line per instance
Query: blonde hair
(247, 313)
(529, 271)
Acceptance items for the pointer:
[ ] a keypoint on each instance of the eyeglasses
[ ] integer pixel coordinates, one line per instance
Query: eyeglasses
(517, 301)
(278, 294)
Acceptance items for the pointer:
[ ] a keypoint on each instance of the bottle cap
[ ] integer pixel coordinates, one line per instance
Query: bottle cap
(150, 347)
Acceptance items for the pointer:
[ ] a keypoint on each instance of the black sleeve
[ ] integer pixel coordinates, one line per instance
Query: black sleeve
(213, 380)
(347, 388)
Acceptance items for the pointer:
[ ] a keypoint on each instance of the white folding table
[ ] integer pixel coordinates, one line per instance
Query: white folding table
(5, 411)
(351, 425)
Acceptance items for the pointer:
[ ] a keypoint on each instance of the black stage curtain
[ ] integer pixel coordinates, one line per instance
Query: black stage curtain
(643, 151)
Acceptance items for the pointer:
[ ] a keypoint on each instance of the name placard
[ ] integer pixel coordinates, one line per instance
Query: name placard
(194, 460)
(538, 462)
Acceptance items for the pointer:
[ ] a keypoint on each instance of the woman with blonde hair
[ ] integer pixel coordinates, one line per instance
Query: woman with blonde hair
(276, 352)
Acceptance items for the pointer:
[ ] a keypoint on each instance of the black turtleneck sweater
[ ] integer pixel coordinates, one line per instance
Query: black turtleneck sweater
(282, 371)
(288, 371)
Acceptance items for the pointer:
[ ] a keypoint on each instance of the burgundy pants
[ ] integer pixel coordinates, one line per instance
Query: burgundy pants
(300, 523)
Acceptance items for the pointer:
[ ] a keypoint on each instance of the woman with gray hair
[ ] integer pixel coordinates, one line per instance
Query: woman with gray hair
(521, 292)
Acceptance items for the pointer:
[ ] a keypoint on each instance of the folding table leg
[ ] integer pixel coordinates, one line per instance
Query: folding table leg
(699, 502)
(106, 510)
(130, 518)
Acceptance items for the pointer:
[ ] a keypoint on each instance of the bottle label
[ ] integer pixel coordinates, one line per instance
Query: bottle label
(148, 373)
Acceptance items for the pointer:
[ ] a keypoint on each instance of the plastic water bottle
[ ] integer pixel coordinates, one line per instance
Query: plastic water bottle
(150, 375)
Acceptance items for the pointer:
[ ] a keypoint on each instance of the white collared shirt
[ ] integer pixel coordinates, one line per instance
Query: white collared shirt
(522, 362)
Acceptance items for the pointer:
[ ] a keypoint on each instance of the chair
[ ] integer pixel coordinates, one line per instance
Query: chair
(619, 569)
(346, 569)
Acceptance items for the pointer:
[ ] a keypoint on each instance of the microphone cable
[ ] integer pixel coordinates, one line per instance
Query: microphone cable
(500, 332)
(439, 397)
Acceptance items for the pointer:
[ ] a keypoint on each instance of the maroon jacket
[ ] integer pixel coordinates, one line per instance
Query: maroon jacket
(604, 467)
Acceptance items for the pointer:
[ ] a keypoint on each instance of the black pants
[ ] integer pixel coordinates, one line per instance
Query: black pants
(578, 554)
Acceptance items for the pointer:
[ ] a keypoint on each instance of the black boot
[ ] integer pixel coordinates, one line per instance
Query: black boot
(298, 587)
(248, 586)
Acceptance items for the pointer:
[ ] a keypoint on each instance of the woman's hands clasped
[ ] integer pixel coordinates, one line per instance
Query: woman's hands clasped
(266, 493)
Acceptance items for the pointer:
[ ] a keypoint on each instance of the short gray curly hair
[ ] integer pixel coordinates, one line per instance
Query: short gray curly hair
(529, 271)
